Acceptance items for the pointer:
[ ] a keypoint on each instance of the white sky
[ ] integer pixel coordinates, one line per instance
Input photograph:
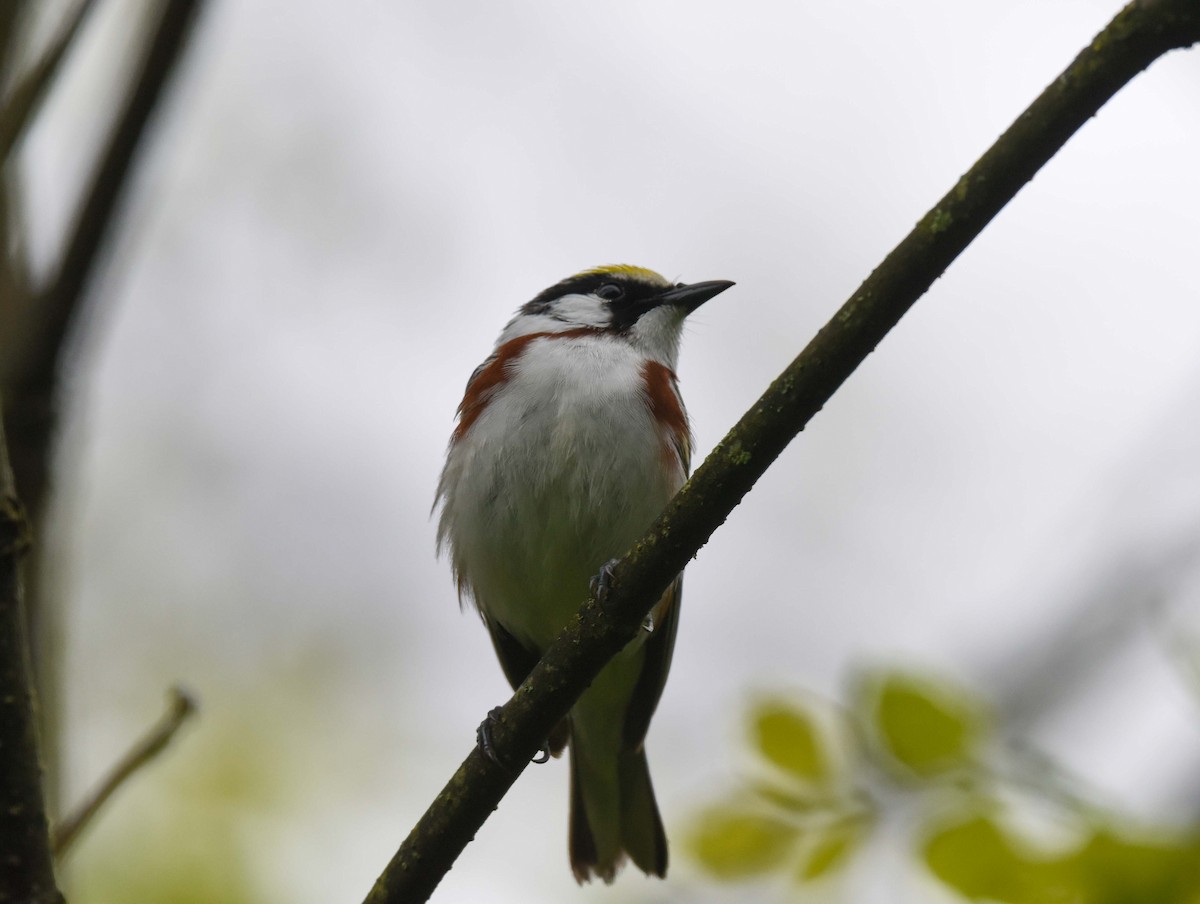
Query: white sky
(340, 213)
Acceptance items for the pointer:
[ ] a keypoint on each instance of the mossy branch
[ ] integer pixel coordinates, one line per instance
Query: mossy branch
(1141, 32)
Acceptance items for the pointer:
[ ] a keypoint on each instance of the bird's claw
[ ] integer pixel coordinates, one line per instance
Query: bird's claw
(602, 582)
(483, 736)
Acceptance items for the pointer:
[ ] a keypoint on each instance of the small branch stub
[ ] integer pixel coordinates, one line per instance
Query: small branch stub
(181, 706)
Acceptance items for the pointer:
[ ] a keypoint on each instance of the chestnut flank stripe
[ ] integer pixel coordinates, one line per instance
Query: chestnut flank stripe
(661, 392)
(495, 372)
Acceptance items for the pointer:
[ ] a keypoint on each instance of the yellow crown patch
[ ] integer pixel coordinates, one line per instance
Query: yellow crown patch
(627, 270)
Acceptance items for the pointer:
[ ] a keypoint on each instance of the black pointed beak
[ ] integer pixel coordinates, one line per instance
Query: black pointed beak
(691, 296)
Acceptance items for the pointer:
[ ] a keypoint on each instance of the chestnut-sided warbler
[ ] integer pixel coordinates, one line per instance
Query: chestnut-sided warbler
(570, 441)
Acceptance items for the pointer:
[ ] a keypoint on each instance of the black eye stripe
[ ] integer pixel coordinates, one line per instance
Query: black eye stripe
(627, 298)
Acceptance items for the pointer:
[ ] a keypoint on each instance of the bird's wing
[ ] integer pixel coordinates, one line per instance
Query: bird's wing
(517, 661)
(658, 648)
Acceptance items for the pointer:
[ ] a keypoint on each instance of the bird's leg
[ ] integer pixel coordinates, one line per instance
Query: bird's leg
(483, 736)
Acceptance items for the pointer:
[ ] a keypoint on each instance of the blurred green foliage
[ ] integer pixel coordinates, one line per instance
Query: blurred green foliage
(803, 817)
(734, 843)
(983, 860)
(923, 726)
(823, 777)
(790, 741)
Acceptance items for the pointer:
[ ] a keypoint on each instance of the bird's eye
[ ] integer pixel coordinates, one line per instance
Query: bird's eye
(609, 292)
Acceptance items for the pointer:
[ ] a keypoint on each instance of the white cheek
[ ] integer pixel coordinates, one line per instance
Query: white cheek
(583, 310)
(657, 333)
(567, 313)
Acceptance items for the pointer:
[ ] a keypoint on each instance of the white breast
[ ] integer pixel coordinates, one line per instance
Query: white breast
(561, 472)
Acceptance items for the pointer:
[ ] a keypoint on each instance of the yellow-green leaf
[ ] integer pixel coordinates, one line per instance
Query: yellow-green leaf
(735, 845)
(1122, 868)
(928, 727)
(790, 739)
(975, 859)
(979, 860)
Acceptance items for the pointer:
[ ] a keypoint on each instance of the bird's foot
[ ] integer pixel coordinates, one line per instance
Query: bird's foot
(601, 584)
(483, 736)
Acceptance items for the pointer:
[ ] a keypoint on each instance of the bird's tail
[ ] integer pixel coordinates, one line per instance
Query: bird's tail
(613, 813)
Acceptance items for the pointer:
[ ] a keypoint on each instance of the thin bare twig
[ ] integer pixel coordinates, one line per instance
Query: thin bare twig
(181, 707)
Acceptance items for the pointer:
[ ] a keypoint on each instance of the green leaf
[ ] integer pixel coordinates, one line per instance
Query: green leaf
(734, 844)
(788, 737)
(979, 860)
(926, 726)
(1161, 870)
(974, 858)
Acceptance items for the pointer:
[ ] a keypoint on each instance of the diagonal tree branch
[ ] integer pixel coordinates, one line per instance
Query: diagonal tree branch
(26, 869)
(1143, 31)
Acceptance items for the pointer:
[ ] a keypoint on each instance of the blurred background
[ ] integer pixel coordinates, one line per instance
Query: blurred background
(330, 218)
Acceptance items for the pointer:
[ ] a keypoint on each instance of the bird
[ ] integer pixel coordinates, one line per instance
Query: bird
(571, 438)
